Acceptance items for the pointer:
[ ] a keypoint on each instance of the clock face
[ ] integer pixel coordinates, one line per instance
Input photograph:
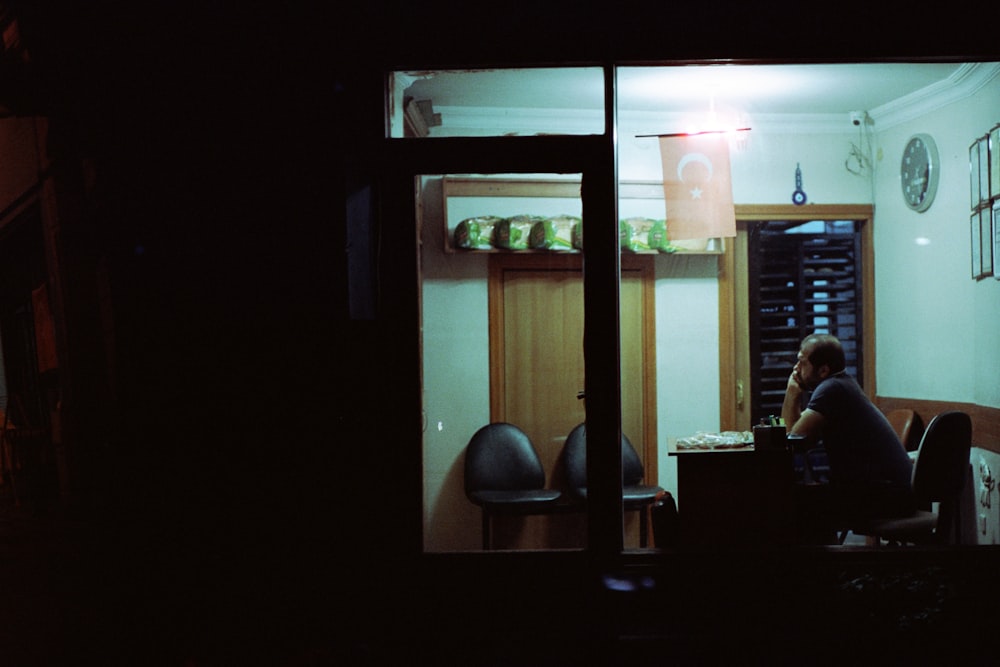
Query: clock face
(918, 172)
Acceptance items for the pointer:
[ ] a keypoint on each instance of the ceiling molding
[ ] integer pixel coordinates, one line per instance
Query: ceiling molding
(649, 122)
(964, 82)
(494, 121)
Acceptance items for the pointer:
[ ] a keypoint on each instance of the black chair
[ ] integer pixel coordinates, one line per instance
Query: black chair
(636, 496)
(940, 472)
(503, 475)
(908, 426)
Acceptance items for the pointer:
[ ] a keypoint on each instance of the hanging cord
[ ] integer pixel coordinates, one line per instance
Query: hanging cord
(859, 161)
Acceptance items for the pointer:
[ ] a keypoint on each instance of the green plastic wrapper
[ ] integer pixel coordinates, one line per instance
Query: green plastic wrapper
(577, 235)
(476, 233)
(514, 233)
(643, 234)
(554, 233)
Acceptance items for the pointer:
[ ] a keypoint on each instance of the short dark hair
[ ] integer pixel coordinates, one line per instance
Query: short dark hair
(827, 351)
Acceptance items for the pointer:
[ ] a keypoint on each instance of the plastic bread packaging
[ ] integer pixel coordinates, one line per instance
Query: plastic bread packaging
(476, 233)
(643, 234)
(723, 440)
(554, 233)
(514, 233)
(577, 235)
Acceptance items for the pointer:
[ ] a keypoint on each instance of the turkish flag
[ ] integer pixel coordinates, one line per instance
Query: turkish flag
(697, 186)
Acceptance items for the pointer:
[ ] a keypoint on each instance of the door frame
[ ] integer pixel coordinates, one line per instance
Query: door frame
(734, 369)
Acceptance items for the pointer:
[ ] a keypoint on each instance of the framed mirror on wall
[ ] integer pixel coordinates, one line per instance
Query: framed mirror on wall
(986, 241)
(984, 170)
(994, 149)
(984, 193)
(976, 245)
(974, 197)
(995, 217)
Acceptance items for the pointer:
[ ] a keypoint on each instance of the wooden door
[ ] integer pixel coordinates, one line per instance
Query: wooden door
(536, 348)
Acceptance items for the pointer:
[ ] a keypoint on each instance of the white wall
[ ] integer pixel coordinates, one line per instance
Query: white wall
(763, 160)
(456, 379)
(687, 347)
(935, 327)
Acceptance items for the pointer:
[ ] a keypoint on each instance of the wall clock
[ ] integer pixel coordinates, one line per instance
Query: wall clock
(919, 171)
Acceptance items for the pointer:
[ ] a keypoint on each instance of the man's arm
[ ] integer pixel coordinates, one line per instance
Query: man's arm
(808, 423)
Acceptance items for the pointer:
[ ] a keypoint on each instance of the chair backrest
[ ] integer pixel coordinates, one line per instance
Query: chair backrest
(908, 426)
(942, 465)
(575, 459)
(632, 470)
(500, 457)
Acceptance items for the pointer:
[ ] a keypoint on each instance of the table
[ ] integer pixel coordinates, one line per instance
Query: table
(734, 496)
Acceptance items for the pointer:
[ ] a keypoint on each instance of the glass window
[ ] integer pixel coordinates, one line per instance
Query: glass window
(500, 255)
(496, 102)
(787, 150)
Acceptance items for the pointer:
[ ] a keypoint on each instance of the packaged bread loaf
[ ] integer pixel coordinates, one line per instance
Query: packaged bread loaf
(640, 234)
(476, 233)
(513, 233)
(554, 233)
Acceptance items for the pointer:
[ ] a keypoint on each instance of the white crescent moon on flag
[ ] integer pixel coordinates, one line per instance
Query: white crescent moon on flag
(693, 157)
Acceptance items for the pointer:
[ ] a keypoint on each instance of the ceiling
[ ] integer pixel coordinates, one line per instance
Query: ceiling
(760, 89)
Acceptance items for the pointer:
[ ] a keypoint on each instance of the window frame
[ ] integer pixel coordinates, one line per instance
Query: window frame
(595, 158)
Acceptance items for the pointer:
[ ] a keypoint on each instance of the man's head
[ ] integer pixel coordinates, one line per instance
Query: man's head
(820, 356)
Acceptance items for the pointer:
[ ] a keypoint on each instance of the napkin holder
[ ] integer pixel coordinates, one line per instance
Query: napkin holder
(770, 438)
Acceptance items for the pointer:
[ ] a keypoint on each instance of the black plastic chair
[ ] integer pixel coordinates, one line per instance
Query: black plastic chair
(503, 475)
(940, 472)
(636, 496)
(908, 426)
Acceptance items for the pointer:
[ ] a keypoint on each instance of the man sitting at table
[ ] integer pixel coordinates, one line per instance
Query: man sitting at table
(869, 467)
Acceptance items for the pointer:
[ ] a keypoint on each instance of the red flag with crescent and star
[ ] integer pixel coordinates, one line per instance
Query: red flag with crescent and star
(697, 186)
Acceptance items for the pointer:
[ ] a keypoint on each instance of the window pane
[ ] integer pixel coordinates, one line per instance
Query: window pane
(477, 103)
(502, 341)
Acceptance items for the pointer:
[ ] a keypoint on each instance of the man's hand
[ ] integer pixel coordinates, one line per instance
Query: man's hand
(791, 408)
(808, 423)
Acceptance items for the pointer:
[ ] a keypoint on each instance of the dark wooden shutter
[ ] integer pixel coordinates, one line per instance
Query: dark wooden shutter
(800, 283)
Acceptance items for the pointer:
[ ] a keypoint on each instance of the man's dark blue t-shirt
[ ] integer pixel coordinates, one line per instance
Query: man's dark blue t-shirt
(861, 445)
